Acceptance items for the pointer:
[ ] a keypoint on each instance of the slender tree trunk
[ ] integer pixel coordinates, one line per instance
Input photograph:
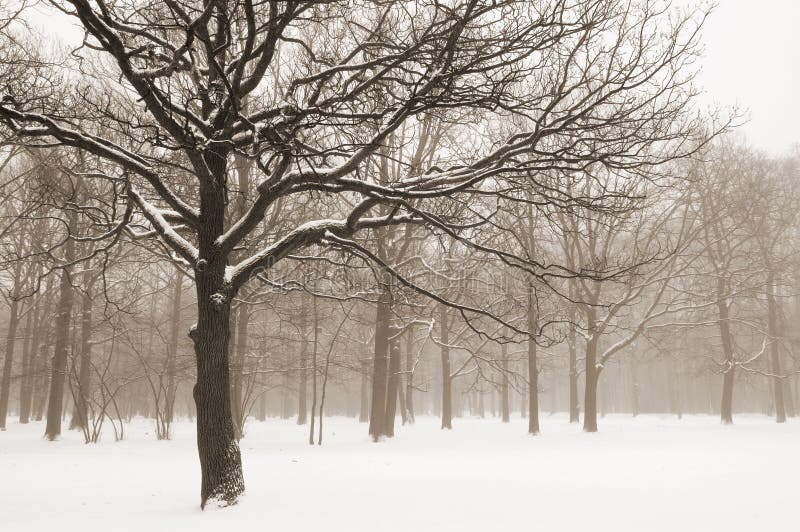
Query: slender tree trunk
(261, 411)
(81, 407)
(410, 375)
(172, 349)
(363, 414)
(285, 406)
(314, 373)
(726, 410)
(62, 339)
(788, 395)
(533, 369)
(591, 376)
(572, 351)
(574, 407)
(42, 379)
(39, 364)
(380, 365)
(237, 408)
(789, 386)
(401, 396)
(447, 381)
(11, 338)
(634, 387)
(393, 385)
(302, 388)
(775, 354)
(504, 399)
(324, 375)
(28, 360)
(674, 387)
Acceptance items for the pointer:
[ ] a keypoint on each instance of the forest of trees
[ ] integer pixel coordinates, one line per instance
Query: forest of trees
(230, 210)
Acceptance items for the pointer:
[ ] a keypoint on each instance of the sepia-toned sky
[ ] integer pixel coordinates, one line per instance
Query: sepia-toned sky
(752, 61)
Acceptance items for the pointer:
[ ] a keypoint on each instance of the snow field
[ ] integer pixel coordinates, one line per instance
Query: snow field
(650, 473)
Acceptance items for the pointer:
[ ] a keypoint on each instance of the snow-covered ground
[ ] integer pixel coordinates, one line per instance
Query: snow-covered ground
(645, 474)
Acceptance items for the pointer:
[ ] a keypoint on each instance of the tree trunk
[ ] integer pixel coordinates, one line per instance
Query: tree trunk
(11, 338)
(314, 373)
(788, 395)
(574, 407)
(447, 381)
(28, 360)
(774, 348)
(592, 374)
(285, 405)
(504, 399)
(533, 370)
(726, 409)
(41, 375)
(634, 387)
(393, 385)
(410, 375)
(237, 408)
(172, 349)
(81, 407)
(788, 389)
(363, 414)
(380, 366)
(220, 459)
(401, 396)
(62, 321)
(261, 411)
(673, 373)
(302, 388)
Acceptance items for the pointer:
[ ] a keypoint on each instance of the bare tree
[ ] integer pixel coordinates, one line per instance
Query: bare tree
(204, 85)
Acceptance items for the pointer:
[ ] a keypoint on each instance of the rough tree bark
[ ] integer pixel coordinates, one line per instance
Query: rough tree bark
(220, 458)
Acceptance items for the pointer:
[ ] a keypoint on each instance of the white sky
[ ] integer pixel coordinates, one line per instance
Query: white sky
(752, 61)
